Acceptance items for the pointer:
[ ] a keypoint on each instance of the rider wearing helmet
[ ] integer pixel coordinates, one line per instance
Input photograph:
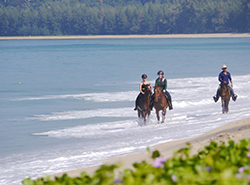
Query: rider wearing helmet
(224, 78)
(163, 83)
(141, 88)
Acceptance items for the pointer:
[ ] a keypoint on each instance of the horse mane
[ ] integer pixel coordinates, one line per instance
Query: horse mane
(158, 87)
(146, 89)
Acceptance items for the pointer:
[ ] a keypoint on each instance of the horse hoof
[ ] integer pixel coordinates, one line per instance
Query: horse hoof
(162, 122)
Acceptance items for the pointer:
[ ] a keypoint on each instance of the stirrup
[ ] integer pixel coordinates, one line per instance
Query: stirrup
(234, 97)
(215, 99)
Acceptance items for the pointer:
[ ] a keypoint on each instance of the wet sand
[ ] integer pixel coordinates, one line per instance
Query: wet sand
(236, 131)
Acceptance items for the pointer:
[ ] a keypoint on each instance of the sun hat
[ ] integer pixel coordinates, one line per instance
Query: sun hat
(224, 66)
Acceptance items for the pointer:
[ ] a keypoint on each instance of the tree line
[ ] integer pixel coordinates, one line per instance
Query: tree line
(106, 17)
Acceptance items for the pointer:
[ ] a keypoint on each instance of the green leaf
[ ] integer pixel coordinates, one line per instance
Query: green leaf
(156, 154)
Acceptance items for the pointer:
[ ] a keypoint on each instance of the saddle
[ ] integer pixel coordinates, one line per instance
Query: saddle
(220, 89)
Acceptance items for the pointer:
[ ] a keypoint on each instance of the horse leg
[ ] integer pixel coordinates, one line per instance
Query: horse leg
(144, 116)
(163, 114)
(149, 112)
(157, 115)
(223, 106)
(227, 104)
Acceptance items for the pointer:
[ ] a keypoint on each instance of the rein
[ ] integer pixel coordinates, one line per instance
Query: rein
(222, 96)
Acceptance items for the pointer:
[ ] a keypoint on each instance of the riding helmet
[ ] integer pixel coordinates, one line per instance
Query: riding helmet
(160, 72)
(144, 76)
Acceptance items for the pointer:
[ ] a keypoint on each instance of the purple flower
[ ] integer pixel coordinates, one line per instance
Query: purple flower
(248, 149)
(248, 154)
(117, 180)
(159, 161)
(208, 168)
(174, 178)
(241, 169)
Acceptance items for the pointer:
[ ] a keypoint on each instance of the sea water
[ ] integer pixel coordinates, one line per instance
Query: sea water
(68, 104)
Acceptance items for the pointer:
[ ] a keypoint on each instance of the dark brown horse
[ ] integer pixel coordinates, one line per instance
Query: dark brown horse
(160, 102)
(225, 97)
(144, 102)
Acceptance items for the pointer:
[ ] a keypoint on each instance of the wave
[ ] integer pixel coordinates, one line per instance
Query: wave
(182, 88)
(68, 115)
(114, 112)
(96, 97)
(185, 97)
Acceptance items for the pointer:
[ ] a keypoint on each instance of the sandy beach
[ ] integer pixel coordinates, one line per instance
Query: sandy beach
(210, 35)
(236, 131)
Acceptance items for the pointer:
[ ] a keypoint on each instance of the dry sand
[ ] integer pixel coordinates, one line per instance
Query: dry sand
(210, 35)
(236, 131)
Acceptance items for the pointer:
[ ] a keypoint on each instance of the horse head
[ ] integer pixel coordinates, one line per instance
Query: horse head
(148, 89)
(224, 90)
(157, 92)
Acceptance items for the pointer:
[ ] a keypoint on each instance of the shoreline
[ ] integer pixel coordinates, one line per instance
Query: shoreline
(236, 131)
(208, 35)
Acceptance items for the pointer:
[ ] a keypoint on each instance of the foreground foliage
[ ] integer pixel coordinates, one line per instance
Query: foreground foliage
(222, 164)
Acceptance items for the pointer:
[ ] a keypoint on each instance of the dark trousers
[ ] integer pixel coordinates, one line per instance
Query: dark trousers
(218, 93)
(137, 100)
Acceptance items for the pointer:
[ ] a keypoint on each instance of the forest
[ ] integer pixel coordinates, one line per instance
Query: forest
(122, 17)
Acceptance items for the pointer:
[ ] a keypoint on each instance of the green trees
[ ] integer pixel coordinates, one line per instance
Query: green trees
(83, 17)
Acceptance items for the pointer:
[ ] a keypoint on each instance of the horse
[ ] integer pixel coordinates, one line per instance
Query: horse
(160, 102)
(225, 97)
(144, 102)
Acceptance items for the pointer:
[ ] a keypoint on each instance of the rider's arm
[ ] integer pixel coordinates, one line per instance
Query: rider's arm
(165, 85)
(140, 88)
(230, 79)
(157, 82)
(220, 78)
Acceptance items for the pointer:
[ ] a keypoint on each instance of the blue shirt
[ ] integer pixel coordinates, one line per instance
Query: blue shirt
(223, 77)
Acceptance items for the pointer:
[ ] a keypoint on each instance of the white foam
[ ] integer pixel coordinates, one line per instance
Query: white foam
(68, 115)
(194, 113)
(96, 97)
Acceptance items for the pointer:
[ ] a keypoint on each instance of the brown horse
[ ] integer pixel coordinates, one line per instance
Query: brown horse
(160, 102)
(225, 97)
(144, 102)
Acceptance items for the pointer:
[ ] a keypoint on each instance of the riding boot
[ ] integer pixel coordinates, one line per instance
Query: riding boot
(234, 96)
(169, 100)
(217, 95)
(170, 104)
(136, 102)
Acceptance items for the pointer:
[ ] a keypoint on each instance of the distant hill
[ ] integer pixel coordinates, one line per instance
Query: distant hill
(106, 17)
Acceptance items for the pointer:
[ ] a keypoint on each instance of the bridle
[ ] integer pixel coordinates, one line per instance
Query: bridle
(226, 90)
(157, 93)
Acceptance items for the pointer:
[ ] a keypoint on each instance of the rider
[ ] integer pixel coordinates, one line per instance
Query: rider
(141, 88)
(224, 78)
(163, 83)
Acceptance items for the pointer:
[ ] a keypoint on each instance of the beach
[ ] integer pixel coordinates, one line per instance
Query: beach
(209, 35)
(235, 130)
(68, 104)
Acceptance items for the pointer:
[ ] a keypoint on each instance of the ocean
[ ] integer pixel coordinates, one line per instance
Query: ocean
(68, 104)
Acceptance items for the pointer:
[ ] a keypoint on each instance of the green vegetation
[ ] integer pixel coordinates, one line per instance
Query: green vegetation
(224, 164)
(113, 17)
